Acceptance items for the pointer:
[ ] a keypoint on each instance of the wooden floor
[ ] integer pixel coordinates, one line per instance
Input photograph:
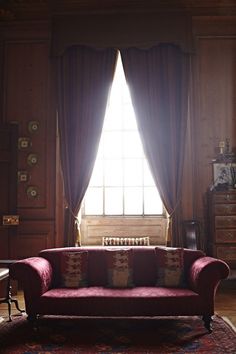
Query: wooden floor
(225, 304)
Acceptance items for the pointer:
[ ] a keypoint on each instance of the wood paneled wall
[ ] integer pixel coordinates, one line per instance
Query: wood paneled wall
(213, 101)
(28, 98)
(28, 94)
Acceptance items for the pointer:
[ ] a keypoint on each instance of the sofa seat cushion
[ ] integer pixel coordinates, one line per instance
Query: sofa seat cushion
(102, 301)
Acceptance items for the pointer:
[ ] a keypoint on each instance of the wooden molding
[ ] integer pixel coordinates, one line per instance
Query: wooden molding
(41, 9)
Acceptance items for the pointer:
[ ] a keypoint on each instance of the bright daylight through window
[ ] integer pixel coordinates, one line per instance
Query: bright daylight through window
(121, 183)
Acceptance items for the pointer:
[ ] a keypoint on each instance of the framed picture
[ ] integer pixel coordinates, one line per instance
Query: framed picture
(224, 175)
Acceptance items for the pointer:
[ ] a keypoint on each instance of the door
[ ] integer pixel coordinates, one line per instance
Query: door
(8, 189)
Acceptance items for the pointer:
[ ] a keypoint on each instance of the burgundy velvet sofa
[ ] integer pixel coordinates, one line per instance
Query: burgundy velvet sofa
(40, 280)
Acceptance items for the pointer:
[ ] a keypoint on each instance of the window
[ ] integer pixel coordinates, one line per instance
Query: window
(121, 183)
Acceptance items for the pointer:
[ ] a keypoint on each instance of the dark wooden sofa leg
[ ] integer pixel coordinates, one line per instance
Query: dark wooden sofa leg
(207, 319)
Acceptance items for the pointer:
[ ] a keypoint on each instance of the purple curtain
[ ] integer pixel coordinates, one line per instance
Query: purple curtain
(158, 82)
(85, 78)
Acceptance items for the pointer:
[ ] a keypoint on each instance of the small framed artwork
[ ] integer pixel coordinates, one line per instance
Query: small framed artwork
(32, 159)
(33, 126)
(24, 143)
(23, 176)
(32, 192)
(224, 175)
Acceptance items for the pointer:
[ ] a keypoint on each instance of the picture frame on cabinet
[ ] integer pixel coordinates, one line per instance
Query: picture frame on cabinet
(224, 175)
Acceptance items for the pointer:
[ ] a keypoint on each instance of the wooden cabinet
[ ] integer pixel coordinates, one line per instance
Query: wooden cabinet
(222, 225)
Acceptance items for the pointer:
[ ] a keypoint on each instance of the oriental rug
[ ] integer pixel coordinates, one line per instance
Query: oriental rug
(157, 335)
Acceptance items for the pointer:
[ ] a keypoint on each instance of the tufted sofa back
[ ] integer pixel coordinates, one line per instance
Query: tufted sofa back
(144, 263)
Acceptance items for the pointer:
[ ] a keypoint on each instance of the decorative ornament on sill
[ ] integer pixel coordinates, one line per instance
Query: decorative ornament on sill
(32, 192)
(33, 126)
(32, 159)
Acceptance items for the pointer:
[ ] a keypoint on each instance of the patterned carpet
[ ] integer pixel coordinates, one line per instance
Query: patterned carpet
(159, 335)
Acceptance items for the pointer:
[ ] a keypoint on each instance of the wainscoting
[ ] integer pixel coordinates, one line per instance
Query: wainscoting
(93, 229)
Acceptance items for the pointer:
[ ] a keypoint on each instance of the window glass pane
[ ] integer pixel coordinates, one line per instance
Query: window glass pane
(129, 118)
(112, 144)
(133, 201)
(152, 201)
(133, 174)
(147, 176)
(113, 173)
(132, 145)
(97, 175)
(113, 201)
(113, 116)
(125, 91)
(94, 201)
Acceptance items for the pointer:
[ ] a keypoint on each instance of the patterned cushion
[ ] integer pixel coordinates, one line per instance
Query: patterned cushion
(120, 268)
(74, 267)
(170, 267)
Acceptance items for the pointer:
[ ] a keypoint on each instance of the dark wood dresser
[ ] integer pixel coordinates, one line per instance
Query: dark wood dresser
(222, 225)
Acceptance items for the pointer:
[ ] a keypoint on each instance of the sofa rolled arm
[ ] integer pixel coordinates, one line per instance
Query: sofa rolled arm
(206, 273)
(34, 274)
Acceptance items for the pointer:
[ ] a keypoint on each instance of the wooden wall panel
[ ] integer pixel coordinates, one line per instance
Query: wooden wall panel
(29, 95)
(32, 237)
(4, 242)
(27, 85)
(216, 121)
(214, 104)
(8, 183)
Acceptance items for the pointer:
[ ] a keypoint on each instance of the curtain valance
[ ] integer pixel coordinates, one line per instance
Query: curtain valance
(121, 31)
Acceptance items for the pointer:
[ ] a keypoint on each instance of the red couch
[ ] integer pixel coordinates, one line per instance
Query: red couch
(40, 279)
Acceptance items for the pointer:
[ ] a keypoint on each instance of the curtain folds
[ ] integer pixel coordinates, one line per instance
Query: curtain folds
(84, 79)
(158, 83)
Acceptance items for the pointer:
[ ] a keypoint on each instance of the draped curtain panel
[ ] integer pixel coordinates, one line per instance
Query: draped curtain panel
(158, 83)
(156, 50)
(84, 79)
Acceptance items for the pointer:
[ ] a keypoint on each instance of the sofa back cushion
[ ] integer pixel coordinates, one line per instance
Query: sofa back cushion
(144, 263)
(119, 267)
(74, 269)
(170, 267)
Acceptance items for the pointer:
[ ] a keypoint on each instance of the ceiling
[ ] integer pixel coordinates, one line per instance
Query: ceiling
(42, 9)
